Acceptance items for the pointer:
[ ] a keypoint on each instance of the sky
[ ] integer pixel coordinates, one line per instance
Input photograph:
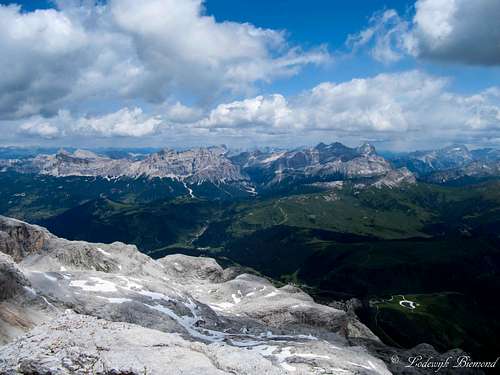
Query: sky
(403, 75)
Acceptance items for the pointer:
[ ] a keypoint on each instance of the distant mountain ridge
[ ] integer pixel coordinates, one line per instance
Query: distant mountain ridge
(248, 172)
(335, 161)
(450, 163)
(194, 166)
(251, 172)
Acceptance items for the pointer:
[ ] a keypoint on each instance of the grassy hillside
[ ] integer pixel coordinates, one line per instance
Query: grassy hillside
(150, 226)
(36, 197)
(446, 319)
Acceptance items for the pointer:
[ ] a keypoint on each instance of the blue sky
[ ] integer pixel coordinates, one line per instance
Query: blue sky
(330, 22)
(312, 22)
(403, 74)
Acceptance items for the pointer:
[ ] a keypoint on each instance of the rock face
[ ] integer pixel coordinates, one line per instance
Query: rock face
(215, 165)
(451, 163)
(396, 178)
(107, 308)
(193, 166)
(197, 165)
(475, 169)
(104, 347)
(423, 162)
(324, 162)
(19, 241)
(11, 278)
(261, 170)
(71, 307)
(19, 305)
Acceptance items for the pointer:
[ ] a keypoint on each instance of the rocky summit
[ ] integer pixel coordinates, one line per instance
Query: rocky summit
(193, 166)
(77, 308)
(334, 161)
(73, 307)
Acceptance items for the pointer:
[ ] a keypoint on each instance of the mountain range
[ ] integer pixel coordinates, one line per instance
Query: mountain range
(258, 171)
(451, 163)
(248, 172)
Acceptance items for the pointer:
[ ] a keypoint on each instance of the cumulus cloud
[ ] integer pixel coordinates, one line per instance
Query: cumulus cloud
(40, 128)
(271, 112)
(38, 59)
(459, 31)
(149, 50)
(180, 113)
(126, 122)
(411, 108)
(391, 106)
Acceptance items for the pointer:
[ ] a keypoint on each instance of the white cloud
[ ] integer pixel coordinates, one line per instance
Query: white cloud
(385, 30)
(457, 30)
(180, 113)
(271, 111)
(411, 105)
(150, 50)
(40, 128)
(460, 31)
(125, 122)
(410, 108)
(37, 62)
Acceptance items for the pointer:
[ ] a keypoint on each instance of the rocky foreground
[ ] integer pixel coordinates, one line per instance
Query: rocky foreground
(71, 307)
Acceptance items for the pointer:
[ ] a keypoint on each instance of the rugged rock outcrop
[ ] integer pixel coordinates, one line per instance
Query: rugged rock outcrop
(192, 166)
(424, 162)
(396, 178)
(19, 240)
(195, 166)
(20, 307)
(109, 309)
(72, 307)
(475, 169)
(12, 279)
(323, 162)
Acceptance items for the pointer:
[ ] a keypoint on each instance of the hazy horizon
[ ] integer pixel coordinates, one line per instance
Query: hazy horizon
(229, 147)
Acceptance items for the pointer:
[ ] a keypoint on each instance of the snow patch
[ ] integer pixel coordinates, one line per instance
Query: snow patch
(31, 290)
(94, 284)
(237, 298)
(103, 252)
(48, 277)
(272, 294)
(115, 299)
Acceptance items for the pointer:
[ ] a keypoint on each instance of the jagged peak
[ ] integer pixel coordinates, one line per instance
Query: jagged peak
(84, 154)
(323, 145)
(367, 149)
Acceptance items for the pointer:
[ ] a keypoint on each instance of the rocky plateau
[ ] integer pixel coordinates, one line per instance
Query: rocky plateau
(72, 307)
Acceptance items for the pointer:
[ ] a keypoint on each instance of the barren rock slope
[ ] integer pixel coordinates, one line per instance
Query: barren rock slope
(70, 307)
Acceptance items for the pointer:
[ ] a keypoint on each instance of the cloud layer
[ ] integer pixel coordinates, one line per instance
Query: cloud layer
(408, 108)
(126, 122)
(457, 31)
(127, 49)
(394, 106)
